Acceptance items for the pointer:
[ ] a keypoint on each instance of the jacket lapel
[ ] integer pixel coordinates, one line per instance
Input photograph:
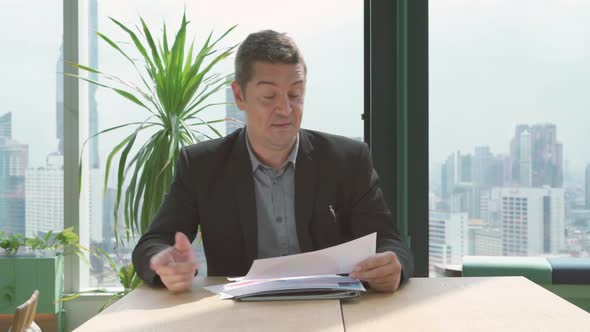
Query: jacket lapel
(243, 190)
(306, 172)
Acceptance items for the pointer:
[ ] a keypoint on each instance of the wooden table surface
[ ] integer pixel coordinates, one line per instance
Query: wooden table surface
(422, 304)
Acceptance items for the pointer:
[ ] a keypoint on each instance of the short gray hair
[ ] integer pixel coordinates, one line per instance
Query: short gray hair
(265, 46)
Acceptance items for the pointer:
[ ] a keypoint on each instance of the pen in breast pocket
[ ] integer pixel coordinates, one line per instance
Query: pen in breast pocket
(332, 212)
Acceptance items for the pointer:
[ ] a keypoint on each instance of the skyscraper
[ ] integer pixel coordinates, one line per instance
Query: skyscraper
(235, 118)
(542, 159)
(14, 159)
(94, 160)
(447, 236)
(6, 126)
(532, 220)
(44, 197)
(95, 184)
(458, 192)
(482, 163)
(524, 159)
(59, 97)
(588, 186)
(456, 171)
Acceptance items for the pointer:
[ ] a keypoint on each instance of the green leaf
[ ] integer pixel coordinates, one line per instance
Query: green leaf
(136, 41)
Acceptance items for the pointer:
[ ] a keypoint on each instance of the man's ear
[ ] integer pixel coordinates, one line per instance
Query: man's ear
(239, 95)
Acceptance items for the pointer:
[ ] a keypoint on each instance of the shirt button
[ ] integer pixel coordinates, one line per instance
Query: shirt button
(279, 219)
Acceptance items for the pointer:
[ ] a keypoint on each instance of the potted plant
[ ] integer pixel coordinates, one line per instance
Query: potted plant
(52, 244)
(41, 270)
(11, 243)
(176, 85)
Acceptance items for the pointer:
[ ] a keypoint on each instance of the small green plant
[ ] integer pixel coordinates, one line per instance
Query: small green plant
(11, 243)
(64, 242)
(127, 278)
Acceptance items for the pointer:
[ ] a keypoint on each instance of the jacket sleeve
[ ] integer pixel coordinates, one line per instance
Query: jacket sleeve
(369, 213)
(178, 213)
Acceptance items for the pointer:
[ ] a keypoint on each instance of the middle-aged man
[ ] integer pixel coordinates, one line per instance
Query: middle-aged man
(270, 189)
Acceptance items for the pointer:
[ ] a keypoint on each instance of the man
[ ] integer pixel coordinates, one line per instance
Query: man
(270, 189)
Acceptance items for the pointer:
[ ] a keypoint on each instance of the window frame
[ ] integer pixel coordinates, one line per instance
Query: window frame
(395, 55)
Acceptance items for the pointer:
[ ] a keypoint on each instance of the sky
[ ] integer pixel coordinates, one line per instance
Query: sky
(334, 57)
(493, 64)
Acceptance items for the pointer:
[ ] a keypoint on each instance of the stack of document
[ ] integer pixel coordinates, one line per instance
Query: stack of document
(292, 288)
(312, 275)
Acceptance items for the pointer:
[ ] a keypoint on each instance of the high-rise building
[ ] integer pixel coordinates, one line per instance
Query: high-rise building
(588, 186)
(532, 220)
(537, 156)
(94, 161)
(59, 97)
(95, 183)
(44, 197)
(524, 159)
(499, 172)
(235, 118)
(456, 172)
(487, 242)
(458, 191)
(6, 126)
(14, 159)
(95, 206)
(108, 228)
(482, 165)
(447, 236)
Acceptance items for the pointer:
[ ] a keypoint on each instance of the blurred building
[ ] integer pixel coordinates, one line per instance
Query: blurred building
(14, 158)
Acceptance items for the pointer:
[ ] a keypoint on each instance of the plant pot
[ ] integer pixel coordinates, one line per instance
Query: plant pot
(21, 275)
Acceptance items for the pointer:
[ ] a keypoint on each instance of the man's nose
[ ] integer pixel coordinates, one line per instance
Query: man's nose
(284, 105)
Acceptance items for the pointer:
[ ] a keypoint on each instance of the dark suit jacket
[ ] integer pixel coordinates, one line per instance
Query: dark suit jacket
(213, 187)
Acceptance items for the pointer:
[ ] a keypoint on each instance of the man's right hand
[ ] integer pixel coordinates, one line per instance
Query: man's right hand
(176, 265)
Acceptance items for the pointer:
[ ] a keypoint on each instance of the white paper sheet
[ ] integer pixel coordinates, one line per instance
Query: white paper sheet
(334, 260)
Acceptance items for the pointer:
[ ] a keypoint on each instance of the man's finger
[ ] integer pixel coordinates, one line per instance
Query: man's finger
(177, 268)
(182, 243)
(375, 261)
(161, 259)
(173, 279)
(378, 272)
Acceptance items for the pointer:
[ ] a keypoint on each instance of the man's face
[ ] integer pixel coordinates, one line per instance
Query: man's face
(273, 102)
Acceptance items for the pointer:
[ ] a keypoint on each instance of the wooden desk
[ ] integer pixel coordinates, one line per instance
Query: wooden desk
(148, 309)
(435, 304)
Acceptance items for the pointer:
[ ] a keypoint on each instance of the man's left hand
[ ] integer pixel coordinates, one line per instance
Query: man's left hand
(382, 271)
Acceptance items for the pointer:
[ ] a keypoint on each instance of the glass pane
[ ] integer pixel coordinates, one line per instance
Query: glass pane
(333, 55)
(509, 129)
(31, 118)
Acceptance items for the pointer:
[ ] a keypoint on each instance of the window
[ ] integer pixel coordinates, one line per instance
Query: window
(508, 91)
(31, 113)
(334, 99)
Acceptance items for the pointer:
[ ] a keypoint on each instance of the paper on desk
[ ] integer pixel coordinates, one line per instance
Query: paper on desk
(246, 287)
(334, 260)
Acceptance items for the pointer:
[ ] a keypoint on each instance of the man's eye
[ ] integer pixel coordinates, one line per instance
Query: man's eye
(293, 96)
(269, 97)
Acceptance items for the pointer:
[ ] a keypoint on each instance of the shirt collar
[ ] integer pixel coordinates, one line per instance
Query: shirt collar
(292, 158)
